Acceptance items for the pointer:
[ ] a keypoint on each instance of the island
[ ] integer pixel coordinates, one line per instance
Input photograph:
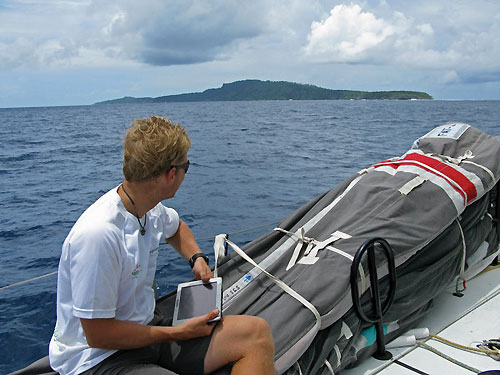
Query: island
(252, 89)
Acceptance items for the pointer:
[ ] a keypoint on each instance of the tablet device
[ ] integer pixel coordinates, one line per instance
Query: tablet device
(196, 298)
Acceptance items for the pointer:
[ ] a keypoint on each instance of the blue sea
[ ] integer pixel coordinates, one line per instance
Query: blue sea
(253, 163)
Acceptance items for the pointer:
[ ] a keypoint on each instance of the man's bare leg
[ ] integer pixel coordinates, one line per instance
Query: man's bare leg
(245, 341)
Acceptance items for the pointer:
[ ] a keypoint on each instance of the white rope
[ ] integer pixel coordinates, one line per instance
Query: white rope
(484, 168)
(219, 250)
(463, 159)
(464, 252)
(458, 159)
(329, 366)
(447, 357)
(339, 355)
(296, 364)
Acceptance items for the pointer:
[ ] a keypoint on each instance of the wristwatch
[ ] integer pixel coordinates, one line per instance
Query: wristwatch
(196, 256)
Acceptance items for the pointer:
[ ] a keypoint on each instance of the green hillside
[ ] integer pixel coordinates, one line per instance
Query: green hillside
(271, 90)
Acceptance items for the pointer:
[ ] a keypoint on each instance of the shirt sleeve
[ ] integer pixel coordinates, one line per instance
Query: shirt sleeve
(170, 220)
(95, 273)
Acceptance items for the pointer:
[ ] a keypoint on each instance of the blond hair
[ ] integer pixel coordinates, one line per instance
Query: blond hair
(152, 146)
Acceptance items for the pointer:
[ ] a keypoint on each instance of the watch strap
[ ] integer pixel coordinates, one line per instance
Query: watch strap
(192, 260)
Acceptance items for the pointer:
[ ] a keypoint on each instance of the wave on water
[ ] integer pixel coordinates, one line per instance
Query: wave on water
(253, 163)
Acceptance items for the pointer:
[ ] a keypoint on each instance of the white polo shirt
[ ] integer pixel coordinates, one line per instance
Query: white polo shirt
(106, 270)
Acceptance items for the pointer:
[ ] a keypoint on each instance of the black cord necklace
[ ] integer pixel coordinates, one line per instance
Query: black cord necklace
(143, 227)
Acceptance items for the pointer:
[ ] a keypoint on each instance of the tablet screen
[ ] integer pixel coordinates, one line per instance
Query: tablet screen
(197, 298)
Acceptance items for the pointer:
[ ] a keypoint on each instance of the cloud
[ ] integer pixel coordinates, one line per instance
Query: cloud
(282, 39)
(385, 36)
(154, 32)
(33, 33)
(351, 35)
(24, 51)
(159, 32)
(450, 77)
(346, 35)
(481, 77)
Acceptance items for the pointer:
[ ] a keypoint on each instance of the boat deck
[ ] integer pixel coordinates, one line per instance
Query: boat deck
(463, 320)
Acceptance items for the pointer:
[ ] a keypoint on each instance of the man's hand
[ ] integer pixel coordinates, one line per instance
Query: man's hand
(201, 270)
(197, 327)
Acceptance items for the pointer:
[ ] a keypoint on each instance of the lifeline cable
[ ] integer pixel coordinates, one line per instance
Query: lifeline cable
(27, 281)
(161, 243)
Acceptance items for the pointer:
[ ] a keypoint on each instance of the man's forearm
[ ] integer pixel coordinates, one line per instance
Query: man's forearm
(184, 242)
(118, 334)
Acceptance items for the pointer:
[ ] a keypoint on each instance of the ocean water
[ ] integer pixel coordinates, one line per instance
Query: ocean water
(253, 163)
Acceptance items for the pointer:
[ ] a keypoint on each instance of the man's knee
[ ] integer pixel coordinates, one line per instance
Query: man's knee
(259, 332)
(262, 327)
(240, 337)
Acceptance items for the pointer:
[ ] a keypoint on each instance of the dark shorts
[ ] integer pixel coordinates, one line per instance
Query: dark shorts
(181, 357)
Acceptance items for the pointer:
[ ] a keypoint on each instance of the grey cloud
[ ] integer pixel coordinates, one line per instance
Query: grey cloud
(168, 56)
(181, 32)
(33, 52)
(481, 77)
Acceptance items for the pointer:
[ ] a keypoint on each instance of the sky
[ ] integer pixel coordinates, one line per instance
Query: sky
(78, 52)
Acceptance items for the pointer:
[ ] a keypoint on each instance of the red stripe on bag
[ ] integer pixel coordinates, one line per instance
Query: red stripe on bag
(435, 165)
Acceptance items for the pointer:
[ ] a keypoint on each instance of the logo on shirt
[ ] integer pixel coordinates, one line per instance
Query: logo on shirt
(136, 271)
(55, 336)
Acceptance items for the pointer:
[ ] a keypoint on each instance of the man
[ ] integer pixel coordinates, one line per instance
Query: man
(106, 318)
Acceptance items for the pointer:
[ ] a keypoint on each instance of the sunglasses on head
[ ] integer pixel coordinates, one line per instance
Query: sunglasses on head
(184, 166)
